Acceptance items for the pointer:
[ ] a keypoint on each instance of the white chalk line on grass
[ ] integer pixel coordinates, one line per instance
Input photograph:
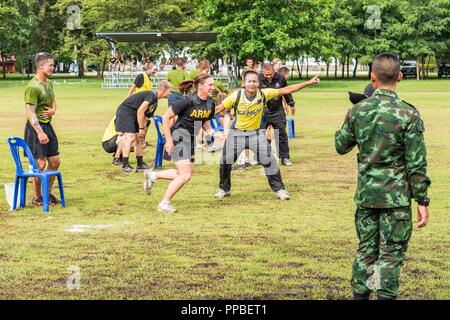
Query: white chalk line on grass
(79, 228)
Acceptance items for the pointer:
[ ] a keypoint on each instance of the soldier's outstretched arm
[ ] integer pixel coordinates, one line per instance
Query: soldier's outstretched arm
(416, 158)
(345, 138)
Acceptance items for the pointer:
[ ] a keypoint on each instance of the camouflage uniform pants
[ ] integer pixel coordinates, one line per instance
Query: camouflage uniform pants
(383, 239)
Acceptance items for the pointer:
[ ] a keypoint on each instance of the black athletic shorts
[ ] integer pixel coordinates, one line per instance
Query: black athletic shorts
(110, 146)
(184, 145)
(126, 121)
(42, 151)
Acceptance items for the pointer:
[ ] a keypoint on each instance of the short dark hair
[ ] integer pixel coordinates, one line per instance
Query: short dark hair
(247, 72)
(179, 62)
(283, 69)
(386, 67)
(268, 66)
(41, 57)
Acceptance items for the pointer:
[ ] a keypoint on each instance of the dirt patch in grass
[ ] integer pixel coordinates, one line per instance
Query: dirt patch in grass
(415, 272)
(6, 216)
(289, 265)
(265, 296)
(113, 174)
(216, 276)
(8, 258)
(291, 230)
(207, 265)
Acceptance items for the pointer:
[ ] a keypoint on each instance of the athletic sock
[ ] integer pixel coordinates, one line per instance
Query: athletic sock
(125, 162)
(140, 160)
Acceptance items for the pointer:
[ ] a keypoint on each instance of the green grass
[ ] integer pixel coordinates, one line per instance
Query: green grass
(248, 246)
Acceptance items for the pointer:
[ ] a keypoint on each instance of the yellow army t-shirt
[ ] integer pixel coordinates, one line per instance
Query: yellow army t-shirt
(110, 131)
(249, 111)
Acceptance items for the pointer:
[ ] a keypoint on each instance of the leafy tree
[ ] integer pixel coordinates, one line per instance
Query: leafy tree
(10, 19)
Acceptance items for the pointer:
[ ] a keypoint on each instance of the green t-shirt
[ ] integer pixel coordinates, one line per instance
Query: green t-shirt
(40, 95)
(219, 85)
(194, 73)
(175, 77)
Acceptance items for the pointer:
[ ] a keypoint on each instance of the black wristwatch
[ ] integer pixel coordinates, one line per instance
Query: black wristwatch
(142, 128)
(425, 202)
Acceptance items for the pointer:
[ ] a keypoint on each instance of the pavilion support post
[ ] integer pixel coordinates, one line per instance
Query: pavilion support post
(174, 49)
(113, 49)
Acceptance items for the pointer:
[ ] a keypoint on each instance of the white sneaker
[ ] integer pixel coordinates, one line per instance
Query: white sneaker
(282, 194)
(149, 180)
(222, 194)
(166, 207)
(214, 148)
(241, 159)
(199, 146)
(286, 162)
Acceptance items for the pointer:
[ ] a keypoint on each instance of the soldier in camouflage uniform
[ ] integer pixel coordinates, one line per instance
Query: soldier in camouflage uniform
(391, 171)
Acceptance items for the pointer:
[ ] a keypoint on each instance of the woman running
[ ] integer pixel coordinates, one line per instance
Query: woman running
(194, 112)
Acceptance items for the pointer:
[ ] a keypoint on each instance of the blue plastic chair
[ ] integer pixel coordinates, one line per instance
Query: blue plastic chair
(160, 143)
(291, 128)
(215, 123)
(22, 176)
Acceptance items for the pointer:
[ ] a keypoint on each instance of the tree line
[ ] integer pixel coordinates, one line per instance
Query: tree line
(327, 30)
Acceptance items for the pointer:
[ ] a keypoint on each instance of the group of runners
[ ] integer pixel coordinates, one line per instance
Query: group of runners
(193, 113)
(193, 100)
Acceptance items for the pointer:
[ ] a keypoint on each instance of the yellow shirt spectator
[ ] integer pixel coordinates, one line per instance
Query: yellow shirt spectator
(142, 83)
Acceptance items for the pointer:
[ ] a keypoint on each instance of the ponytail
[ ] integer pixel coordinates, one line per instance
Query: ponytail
(186, 85)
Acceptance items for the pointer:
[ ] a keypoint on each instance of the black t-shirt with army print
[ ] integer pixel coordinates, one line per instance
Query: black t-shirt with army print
(131, 104)
(192, 108)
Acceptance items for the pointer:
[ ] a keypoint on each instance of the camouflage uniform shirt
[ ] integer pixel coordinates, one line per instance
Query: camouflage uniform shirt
(392, 154)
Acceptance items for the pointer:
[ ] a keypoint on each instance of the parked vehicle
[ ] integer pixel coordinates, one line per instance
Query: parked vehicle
(409, 68)
(91, 68)
(444, 69)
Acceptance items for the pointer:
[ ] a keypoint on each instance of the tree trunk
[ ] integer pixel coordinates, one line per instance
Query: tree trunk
(428, 66)
(348, 66)
(3, 65)
(99, 71)
(307, 68)
(103, 67)
(418, 68)
(370, 69)
(81, 68)
(343, 66)
(422, 68)
(301, 67)
(335, 67)
(328, 69)
(298, 70)
(438, 62)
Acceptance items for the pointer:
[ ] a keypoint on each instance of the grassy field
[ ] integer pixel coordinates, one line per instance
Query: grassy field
(249, 246)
